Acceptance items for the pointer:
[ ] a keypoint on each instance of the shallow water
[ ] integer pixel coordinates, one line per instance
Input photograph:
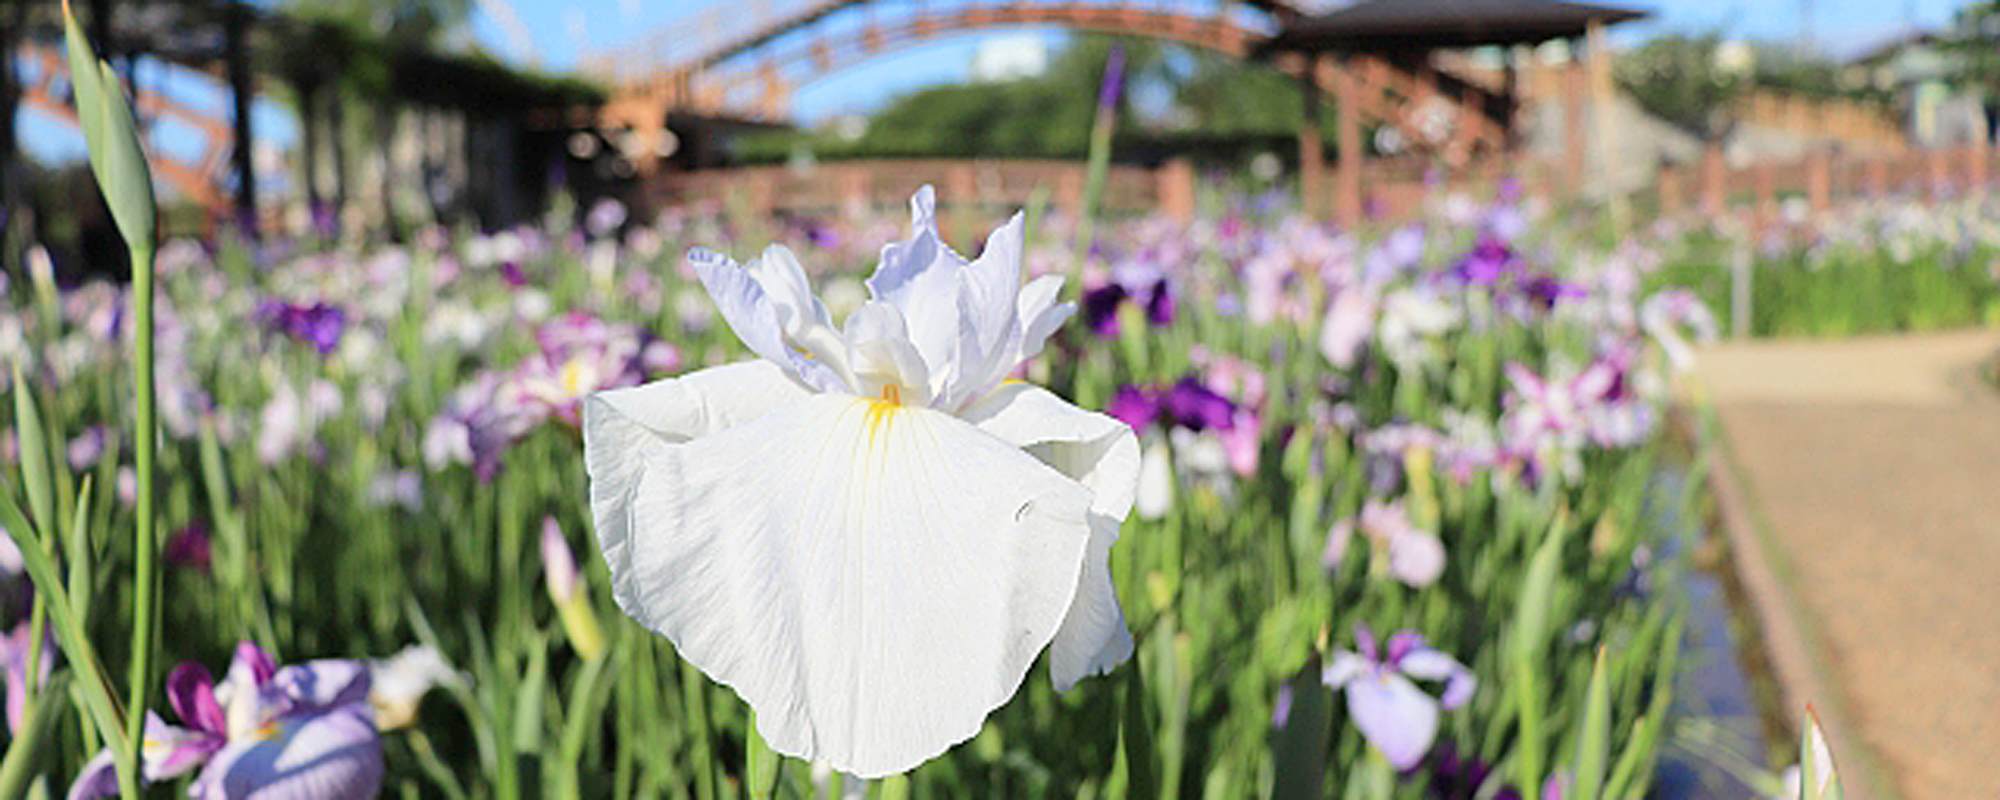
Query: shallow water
(1719, 728)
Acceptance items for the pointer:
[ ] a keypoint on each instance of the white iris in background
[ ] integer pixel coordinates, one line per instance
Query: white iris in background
(863, 531)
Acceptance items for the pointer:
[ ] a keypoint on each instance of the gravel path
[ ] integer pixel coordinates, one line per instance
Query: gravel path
(1871, 469)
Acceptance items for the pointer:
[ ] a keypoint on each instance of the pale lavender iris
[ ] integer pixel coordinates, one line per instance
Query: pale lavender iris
(1414, 556)
(14, 661)
(303, 732)
(1394, 714)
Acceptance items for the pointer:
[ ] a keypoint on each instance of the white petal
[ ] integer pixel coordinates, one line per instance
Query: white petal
(1101, 453)
(784, 281)
(1346, 666)
(622, 424)
(755, 319)
(1394, 716)
(992, 282)
(1416, 559)
(919, 276)
(1096, 450)
(1155, 496)
(880, 354)
(1040, 314)
(872, 579)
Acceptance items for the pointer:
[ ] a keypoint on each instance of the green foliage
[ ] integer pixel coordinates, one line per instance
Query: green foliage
(1675, 77)
(1049, 116)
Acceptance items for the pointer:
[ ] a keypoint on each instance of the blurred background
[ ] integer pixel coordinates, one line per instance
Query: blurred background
(389, 115)
(1706, 290)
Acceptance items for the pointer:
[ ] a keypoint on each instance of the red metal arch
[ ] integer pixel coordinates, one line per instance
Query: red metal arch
(761, 88)
(197, 181)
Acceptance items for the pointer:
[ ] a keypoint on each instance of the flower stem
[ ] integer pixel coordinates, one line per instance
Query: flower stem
(145, 542)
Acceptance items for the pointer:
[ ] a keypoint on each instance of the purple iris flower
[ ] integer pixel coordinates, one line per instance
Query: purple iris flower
(1455, 775)
(1100, 309)
(1197, 407)
(189, 547)
(510, 271)
(1487, 263)
(1134, 406)
(1160, 304)
(1394, 715)
(319, 324)
(302, 732)
(1545, 290)
(1100, 305)
(1114, 79)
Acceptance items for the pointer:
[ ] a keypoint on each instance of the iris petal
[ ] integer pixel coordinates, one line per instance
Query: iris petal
(1103, 454)
(620, 425)
(873, 579)
(1394, 715)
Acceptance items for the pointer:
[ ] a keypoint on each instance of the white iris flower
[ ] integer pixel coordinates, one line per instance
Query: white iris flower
(867, 532)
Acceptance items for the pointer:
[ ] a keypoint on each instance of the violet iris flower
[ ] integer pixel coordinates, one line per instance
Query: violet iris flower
(511, 272)
(1189, 403)
(189, 547)
(1489, 261)
(302, 732)
(319, 324)
(1134, 406)
(1100, 309)
(1394, 715)
(1196, 407)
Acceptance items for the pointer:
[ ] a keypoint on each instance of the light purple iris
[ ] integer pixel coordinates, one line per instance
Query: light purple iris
(318, 324)
(303, 732)
(1394, 714)
(14, 662)
(1414, 556)
(1489, 261)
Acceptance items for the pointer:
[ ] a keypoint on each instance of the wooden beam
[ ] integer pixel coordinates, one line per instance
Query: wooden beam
(1597, 54)
(1312, 159)
(1347, 180)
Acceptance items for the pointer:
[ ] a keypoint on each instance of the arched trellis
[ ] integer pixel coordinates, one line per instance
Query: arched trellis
(752, 76)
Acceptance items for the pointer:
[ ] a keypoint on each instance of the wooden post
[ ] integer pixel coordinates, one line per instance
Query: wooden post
(1714, 180)
(1575, 96)
(243, 142)
(1938, 167)
(1312, 158)
(1069, 189)
(1818, 182)
(1767, 194)
(1175, 182)
(1976, 160)
(1597, 63)
(1347, 181)
(1669, 185)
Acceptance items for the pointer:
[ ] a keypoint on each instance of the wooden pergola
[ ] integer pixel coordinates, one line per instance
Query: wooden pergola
(1335, 45)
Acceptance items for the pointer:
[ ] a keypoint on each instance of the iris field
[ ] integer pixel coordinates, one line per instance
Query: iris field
(1386, 501)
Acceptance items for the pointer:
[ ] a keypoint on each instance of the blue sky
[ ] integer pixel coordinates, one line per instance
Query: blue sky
(557, 34)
